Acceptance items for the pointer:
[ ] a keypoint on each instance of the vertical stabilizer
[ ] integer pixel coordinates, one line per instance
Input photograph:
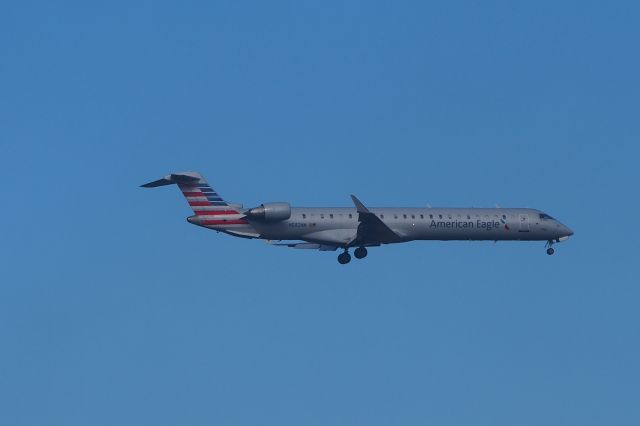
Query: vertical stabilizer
(209, 207)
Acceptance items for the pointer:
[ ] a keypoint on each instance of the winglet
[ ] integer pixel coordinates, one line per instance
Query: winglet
(359, 206)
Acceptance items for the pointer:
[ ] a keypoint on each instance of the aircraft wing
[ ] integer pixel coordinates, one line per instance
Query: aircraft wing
(372, 230)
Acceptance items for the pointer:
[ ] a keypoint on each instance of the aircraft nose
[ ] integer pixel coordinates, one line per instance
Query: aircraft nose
(567, 230)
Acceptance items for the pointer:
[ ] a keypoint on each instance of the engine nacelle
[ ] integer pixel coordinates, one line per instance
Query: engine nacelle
(270, 212)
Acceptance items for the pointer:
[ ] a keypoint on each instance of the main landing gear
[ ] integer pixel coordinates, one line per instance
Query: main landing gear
(550, 249)
(360, 253)
(345, 257)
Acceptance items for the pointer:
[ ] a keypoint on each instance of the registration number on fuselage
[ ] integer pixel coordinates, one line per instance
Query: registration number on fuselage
(297, 225)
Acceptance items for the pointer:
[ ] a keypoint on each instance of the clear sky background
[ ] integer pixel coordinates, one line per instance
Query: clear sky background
(115, 311)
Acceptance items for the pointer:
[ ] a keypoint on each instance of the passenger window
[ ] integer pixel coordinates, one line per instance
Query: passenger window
(395, 216)
(331, 215)
(413, 216)
(440, 216)
(421, 216)
(404, 215)
(468, 216)
(304, 216)
(430, 216)
(350, 216)
(504, 216)
(321, 215)
(381, 216)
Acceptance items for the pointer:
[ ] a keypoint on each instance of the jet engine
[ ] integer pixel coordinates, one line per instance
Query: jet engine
(270, 212)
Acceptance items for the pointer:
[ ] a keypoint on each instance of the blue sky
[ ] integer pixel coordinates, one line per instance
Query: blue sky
(114, 310)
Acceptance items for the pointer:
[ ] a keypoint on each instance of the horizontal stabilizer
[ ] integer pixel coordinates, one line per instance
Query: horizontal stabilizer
(156, 183)
(171, 179)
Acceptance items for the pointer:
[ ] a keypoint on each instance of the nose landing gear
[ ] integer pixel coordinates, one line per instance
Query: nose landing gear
(550, 249)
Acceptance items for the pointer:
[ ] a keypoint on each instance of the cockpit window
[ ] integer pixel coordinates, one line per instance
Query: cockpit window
(545, 216)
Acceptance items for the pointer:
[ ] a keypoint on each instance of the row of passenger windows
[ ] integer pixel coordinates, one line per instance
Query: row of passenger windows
(413, 216)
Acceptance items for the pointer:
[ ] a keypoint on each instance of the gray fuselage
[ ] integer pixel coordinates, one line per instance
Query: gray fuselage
(358, 227)
(337, 225)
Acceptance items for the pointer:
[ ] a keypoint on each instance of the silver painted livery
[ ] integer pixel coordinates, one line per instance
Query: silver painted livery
(359, 227)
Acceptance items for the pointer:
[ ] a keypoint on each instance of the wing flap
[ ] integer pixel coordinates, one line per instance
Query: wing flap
(305, 245)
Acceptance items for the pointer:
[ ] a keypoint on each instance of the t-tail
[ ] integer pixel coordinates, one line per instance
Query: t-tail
(209, 207)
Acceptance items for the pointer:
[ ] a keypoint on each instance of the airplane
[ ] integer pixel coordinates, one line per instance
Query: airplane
(359, 227)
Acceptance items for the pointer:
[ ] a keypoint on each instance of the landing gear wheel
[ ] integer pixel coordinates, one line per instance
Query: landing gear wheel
(344, 258)
(360, 253)
(550, 251)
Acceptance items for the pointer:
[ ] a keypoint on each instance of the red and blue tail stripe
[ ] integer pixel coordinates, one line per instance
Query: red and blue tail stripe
(209, 205)
(206, 203)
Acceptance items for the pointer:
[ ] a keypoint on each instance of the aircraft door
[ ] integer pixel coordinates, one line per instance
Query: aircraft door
(524, 223)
